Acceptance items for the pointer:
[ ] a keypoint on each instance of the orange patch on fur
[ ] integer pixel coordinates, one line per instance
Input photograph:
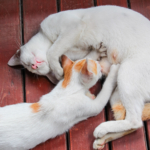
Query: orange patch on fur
(146, 112)
(119, 112)
(114, 56)
(128, 132)
(79, 65)
(85, 71)
(93, 66)
(67, 74)
(35, 107)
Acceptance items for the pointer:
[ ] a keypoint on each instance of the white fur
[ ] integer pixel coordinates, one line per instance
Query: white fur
(120, 30)
(22, 129)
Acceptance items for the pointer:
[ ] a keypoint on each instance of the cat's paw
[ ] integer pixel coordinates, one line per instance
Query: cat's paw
(56, 69)
(99, 144)
(100, 131)
(113, 74)
(58, 73)
(92, 96)
(114, 68)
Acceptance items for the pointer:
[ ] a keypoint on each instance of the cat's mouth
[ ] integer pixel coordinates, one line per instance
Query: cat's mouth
(35, 65)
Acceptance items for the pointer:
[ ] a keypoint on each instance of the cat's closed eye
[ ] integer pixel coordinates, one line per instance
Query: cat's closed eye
(25, 64)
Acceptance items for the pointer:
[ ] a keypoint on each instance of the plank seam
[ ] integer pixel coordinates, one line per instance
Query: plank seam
(128, 4)
(58, 5)
(22, 42)
(67, 140)
(107, 119)
(95, 2)
(146, 135)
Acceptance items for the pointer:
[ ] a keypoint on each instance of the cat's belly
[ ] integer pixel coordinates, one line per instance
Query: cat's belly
(76, 53)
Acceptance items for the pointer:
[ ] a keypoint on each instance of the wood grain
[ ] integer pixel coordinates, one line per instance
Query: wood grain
(11, 90)
(36, 86)
(81, 135)
(128, 142)
(33, 13)
(135, 140)
(143, 7)
(122, 3)
(75, 4)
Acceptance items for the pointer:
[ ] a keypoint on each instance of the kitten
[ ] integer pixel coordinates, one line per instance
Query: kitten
(21, 124)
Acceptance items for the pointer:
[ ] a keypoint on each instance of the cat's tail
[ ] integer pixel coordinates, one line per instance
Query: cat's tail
(120, 112)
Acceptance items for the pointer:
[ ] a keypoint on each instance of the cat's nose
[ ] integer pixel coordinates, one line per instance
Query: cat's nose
(34, 66)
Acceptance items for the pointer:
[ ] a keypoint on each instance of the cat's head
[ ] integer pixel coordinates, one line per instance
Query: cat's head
(33, 57)
(86, 71)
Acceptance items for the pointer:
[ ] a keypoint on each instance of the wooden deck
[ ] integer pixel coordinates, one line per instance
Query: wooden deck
(19, 21)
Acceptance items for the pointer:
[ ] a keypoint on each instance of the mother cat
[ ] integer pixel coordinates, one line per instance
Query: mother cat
(125, 34)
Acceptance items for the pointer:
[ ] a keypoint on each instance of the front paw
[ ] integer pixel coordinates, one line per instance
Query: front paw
(114, 68)
(58, 73)
(99, 131)
(56, 69)
(99, 144)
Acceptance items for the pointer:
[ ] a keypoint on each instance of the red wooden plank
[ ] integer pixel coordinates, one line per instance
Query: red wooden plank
(11, 90)
(81, 135)
(128, 142)
(135, 140)
(122, 3)
(75, 4)
(143, 6)
(33, 13)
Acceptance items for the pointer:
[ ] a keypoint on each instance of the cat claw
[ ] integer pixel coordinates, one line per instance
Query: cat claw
(99, 144)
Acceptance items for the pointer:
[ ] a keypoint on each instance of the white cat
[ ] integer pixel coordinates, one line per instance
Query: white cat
(125, 34)
(56, 112)
(119, 113)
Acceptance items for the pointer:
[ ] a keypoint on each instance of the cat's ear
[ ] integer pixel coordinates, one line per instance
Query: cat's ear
(52, 78)
(65, 61)
(86, 74)
(105, 66)
(15, 59)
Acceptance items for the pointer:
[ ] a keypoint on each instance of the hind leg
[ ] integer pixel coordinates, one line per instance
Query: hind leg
(112, 130)
(100, 142)
(132, 101)
(117, 107)
(119, 111)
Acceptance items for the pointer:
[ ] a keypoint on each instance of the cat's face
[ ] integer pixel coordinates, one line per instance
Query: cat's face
(87, 71)
(33, 57)
(35, 62)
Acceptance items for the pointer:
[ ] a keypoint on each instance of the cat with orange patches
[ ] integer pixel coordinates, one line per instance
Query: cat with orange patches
(57, 111)
(35, 107)
(118, 110)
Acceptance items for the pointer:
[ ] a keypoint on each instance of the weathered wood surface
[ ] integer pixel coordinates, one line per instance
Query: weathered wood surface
(128, 142)
(143, 7)
(36, 86)
(11, 88)
(80, 137)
